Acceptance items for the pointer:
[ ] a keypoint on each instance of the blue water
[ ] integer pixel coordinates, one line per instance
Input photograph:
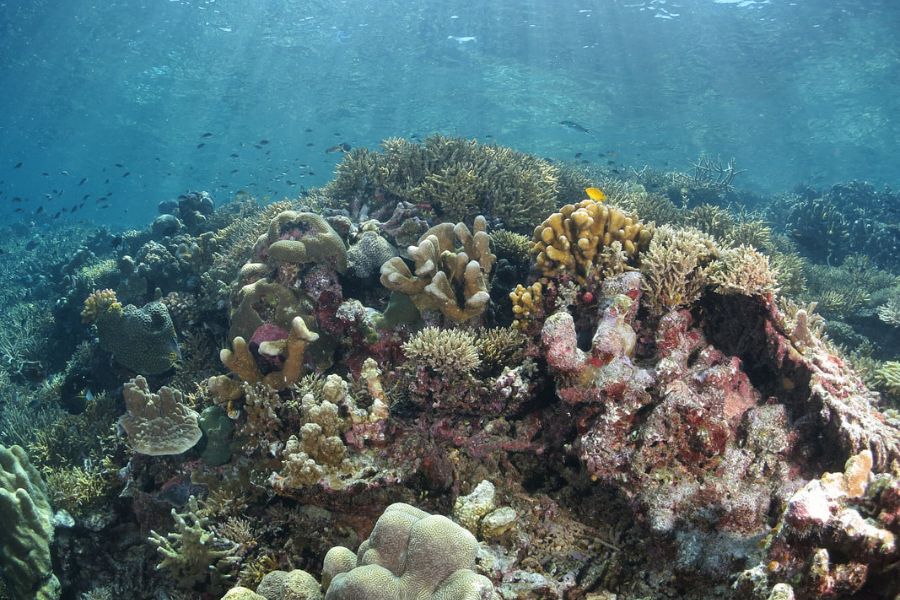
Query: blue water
(801, 91)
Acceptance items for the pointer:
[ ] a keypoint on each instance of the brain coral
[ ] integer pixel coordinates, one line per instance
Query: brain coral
(140, 339)
(409, 555)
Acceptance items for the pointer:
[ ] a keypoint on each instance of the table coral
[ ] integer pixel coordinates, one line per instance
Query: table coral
(158, 424)
(449, 279)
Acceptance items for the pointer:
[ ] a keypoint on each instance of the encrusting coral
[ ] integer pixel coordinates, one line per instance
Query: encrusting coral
(158, 424)
(26, 529)
(451, 273)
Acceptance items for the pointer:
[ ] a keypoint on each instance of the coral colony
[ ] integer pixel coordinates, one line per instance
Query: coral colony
(449, 374)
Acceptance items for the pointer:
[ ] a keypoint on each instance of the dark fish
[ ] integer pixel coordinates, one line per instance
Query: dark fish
(31, 245)
(289, 182)
(310, 173)
(83, 179)
(337, 134)
(575, 126)
(309, 144)
(578, 155)
(489, 136)
(233, 171)
(127, 173)
(206, 135)
(104, 206)
(45, 174)
(308, 130)
(263, 142)
(342, 147)
(200, 145)
(74, 208)
(257, 146)
(610, 162)
(120, 165)
(86, 196)
(233, 155)
(39, 210)
(17, 199)
(107, 181)
(56, 215)
(18, 165)
(18, 209)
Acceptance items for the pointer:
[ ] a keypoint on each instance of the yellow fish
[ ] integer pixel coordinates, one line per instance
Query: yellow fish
(595, 194)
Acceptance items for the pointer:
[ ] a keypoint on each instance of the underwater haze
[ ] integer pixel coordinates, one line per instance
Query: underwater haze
(802, 91)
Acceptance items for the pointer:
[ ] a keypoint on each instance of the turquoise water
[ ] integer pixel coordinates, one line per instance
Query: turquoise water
(794, 91)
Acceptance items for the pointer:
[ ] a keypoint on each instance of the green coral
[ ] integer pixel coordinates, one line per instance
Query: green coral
(304, 237)
(140, 339)
(455, 177)
(26, 528)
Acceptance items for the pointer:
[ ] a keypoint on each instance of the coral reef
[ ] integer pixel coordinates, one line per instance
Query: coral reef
(675, 267)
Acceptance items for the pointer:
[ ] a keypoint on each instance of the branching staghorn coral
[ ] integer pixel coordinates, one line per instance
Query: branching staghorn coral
(447, 352)
(453, 177)
(451, 273)
(675, 267)
(743, 270)
(194, 551)
(889, 312)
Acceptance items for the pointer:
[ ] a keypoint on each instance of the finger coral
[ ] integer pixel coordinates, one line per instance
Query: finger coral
(452, 269)
(570, 240)
(158, 424)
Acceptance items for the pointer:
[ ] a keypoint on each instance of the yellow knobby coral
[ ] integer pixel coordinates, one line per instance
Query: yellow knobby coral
(99, 302)
(525, 301)
(569, 240)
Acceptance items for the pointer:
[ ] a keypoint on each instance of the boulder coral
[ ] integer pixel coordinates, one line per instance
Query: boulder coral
(140, 339)
(26, 528)
(409, 554)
